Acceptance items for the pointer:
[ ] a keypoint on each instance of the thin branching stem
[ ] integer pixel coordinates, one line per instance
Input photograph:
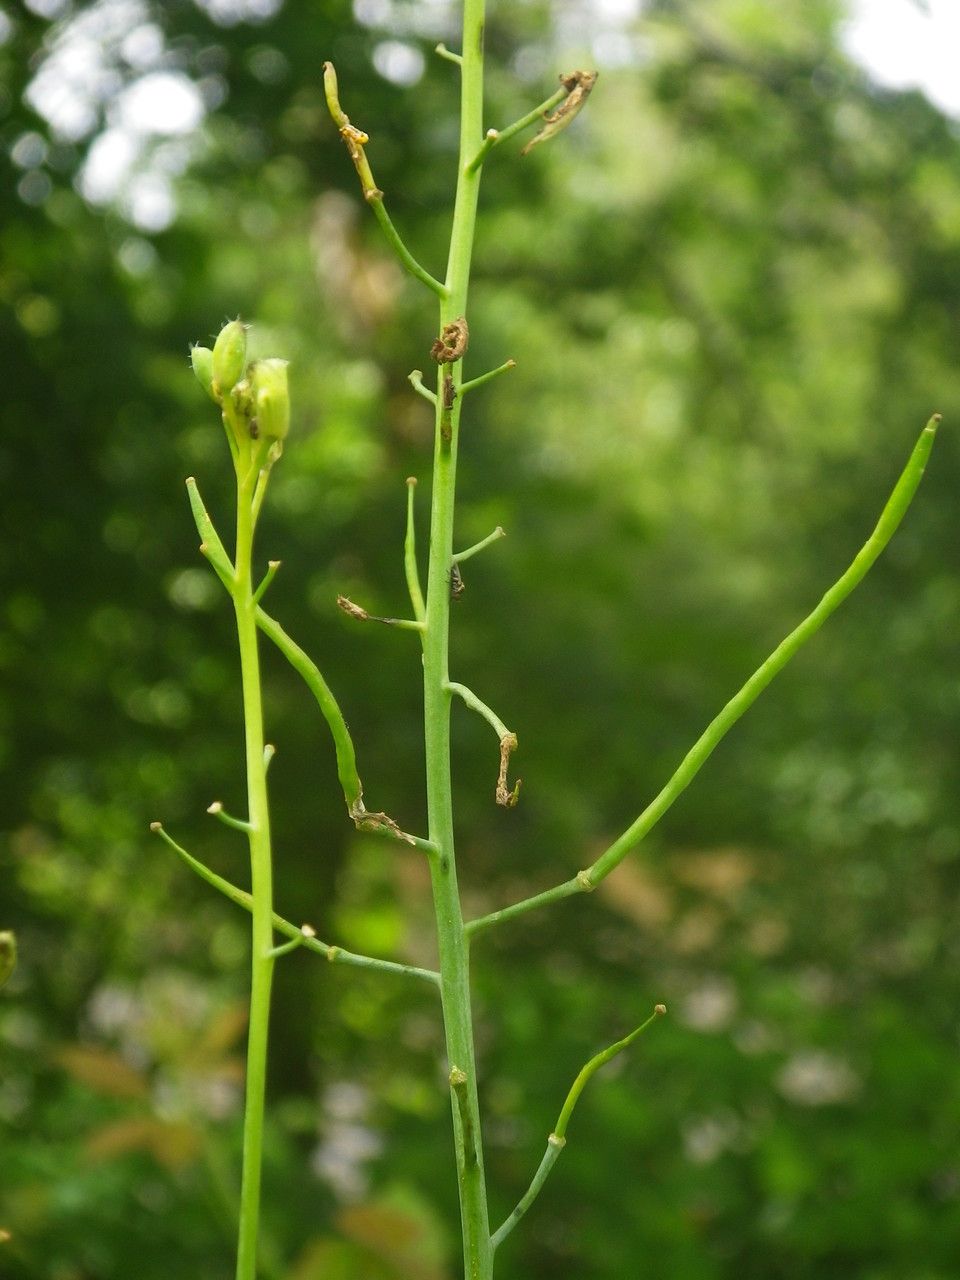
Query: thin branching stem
(213, 548)
(459, 556)
(890, 518)
(334, 954)
(410, 568)
(488, 376)
(442, 51)
(268, 577)
(452, 942)
(494, 137)
(558, 1138)
(216, 810)
(355, 140)
(415, 378)
(309, 672)
(481, 708)
(258, 832)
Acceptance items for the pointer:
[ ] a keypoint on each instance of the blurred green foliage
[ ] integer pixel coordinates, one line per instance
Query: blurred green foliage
(733, 292)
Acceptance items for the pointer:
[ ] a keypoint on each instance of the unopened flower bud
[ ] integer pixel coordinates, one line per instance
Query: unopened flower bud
(271, 398)
(202, 360)
(229, 356)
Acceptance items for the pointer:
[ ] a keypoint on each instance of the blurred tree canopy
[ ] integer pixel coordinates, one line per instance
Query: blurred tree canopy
(732, 291)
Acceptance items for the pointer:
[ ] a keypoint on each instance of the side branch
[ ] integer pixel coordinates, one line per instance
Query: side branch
(568, 889)
(415, 378)
(558, 1138)
(308, 670)
(696, 757)
(411, 572)
(493, 137)
(577, 85)
(488, 376)
(443, 52)
(890, 518)
(498, 533)
(301, 935)
(355, 140)
(508, 742)
(359, 614)
(365, 819)
(211, 547)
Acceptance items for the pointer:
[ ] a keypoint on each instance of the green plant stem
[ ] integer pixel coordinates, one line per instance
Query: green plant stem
(442, 50)
(261, 878)
(335, 955)
(309, 672)
(355, 140)
(375, 200)
(890, 518)
(560, 891)
(494, 137)
(213, 549)
(452, 942)
(415, 378)
(554, 1146)
(410, 569)
(596, 1062)
(488, 376)
(481, 708)
(558, 1138)
(497, 534)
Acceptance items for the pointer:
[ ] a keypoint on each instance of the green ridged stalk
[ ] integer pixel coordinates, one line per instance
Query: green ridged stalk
(432, 621)
(452, 942)
(261, 872)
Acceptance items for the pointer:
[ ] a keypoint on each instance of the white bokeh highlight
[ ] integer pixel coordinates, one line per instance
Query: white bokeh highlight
(903, 44)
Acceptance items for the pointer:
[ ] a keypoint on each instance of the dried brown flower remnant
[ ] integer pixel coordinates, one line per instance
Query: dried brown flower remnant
(352, 610)
(452, 343)
(578, 85)
(506, 797)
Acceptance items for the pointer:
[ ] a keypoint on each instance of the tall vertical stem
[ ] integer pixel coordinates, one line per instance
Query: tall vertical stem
(453, 947)
(261, 884)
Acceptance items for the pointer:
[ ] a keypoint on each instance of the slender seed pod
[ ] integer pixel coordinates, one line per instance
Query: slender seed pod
(229, 357)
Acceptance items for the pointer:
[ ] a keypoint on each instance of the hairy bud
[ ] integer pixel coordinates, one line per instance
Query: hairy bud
(271, 398)
(229, 358)
(202, 360)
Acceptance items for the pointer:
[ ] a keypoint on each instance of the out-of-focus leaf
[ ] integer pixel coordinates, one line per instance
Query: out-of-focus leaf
(8, 955)
(172, 1145)
(224, 1031)
(104, 1071)
(401, 1231)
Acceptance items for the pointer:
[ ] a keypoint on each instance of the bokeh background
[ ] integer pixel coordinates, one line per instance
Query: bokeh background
(733, 293)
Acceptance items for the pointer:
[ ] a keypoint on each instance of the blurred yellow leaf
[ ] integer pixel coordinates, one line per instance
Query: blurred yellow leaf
(399, 1230)
(225, 1029)
(634, 893)
(328, 1259)
(723, 872)
(103, 1070)
(172, 1145)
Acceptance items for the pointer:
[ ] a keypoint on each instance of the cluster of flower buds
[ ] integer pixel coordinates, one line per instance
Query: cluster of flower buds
(257, 393)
